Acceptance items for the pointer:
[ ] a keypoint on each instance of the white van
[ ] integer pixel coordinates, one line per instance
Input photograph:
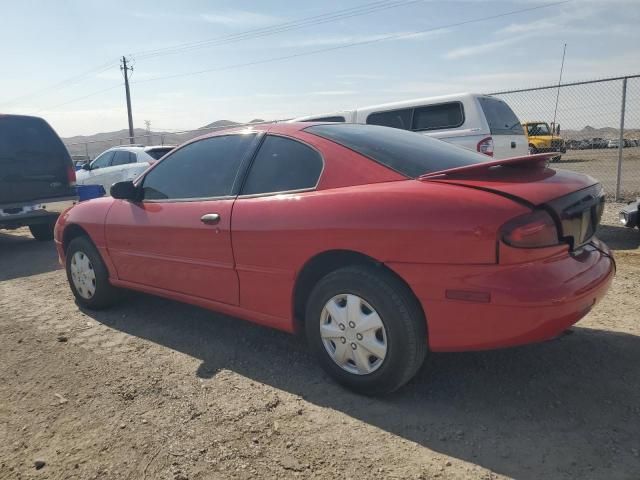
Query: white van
(478, 122)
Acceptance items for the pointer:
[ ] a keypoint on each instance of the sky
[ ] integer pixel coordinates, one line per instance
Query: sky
(285, 58)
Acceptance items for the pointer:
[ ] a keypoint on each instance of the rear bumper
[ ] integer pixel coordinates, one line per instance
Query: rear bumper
(527, 303)
(27, 213)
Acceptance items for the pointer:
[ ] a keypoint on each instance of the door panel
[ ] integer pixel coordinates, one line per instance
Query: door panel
(166, 245)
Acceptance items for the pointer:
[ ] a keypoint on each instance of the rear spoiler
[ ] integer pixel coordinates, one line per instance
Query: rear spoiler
(532, 161)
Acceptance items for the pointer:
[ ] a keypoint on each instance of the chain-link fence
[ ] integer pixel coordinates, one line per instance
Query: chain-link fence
(597, 122)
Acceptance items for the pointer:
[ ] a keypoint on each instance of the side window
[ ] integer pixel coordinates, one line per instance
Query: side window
(435, 117)
(282, 165)
(203, 169)
(103, 160)
(395, 118)
(122, 157)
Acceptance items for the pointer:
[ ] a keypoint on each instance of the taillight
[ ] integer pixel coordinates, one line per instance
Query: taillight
(532, 230)
(486, 146)
(71, 176)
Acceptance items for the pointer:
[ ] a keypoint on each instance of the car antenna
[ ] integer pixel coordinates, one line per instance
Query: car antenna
(555, 111)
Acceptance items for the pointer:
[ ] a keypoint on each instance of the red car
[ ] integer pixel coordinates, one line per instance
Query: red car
(380, 244)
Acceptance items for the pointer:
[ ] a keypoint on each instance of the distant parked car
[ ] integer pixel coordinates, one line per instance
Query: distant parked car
(480, 123)
(37, 178)
(614, 143)
(120, 163)
(380, 244)
(630, 215)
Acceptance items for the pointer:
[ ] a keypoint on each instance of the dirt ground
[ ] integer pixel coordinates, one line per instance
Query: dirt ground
(154, 389)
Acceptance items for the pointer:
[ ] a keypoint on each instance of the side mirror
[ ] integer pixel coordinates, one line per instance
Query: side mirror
(86, 166)
(558, 129)
(125, 191)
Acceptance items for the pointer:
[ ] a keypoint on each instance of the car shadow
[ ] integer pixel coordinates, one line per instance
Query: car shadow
(566, 408)
(23, 256)
(619, 237)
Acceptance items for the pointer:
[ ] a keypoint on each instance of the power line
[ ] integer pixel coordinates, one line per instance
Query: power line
(353, 44)
(80, 98)
(62, 84)
(278, 28)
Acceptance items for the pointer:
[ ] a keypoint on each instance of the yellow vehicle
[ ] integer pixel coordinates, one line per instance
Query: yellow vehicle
(543, 139)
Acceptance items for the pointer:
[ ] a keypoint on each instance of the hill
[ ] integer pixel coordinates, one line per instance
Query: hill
(93, 145)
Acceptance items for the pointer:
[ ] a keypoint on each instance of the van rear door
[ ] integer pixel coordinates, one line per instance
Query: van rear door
(508, 136)
(34, 163)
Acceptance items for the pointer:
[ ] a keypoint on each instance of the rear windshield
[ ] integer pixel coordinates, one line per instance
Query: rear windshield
(336, 118)
(158, 153)
(500, 117)
(31, 143)
(411, 154)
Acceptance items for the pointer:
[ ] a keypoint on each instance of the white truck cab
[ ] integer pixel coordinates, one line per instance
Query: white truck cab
(478, 122)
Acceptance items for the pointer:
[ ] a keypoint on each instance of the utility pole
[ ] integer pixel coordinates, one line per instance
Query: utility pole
(125, 71)
(147, 125)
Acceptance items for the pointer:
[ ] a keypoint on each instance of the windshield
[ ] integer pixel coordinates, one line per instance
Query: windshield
(411, 154)
(158, 153)
(538, 129)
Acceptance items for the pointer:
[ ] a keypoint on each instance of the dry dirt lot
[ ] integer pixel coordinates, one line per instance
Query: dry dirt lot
(603, 165)
(158, 390)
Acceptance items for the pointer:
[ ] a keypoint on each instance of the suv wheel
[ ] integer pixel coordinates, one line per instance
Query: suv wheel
(43, 232)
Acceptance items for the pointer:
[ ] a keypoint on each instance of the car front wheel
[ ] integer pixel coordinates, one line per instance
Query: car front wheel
(88, 275)
(366, 329)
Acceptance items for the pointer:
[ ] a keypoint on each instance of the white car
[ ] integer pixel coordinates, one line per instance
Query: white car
(120, 164)
(478, 122)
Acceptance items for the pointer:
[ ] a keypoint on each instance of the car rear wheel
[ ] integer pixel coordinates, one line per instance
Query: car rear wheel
(366, 329)
(532, 149)
(88, 275)
(43, 232)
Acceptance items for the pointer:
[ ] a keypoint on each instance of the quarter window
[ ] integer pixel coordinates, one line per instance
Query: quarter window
(282, 165)
(436, 117)
(395, 119)
(203, 169)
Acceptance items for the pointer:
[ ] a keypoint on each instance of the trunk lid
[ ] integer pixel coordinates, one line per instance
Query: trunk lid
(576, 201)
(34, 163)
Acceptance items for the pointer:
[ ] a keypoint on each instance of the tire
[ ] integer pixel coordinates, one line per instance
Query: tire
(532, 149)
(404, 330)
(43, 232)
(103, 294)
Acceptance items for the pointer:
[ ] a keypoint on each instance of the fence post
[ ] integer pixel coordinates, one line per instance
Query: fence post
(621, 138)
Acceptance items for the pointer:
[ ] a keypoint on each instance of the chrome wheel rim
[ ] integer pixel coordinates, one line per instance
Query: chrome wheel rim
(83, 275)
(353, 334)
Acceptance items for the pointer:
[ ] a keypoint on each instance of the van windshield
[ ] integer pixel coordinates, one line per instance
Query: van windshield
(411, 154)
(500, 117)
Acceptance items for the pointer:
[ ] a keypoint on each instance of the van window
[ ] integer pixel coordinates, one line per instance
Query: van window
(408, 153)
(500, 117)
(435, 117)
(394, 118)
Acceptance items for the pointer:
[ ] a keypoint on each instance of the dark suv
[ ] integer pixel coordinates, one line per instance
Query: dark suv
(37, 178)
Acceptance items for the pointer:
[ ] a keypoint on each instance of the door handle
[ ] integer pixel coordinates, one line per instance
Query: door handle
(210, 219)
(513, 144)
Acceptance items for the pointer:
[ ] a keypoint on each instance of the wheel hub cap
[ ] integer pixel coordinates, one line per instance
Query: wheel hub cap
(83, 275)
(353, 334)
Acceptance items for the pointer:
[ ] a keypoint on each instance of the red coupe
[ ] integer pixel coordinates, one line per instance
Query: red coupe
(380, 244)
